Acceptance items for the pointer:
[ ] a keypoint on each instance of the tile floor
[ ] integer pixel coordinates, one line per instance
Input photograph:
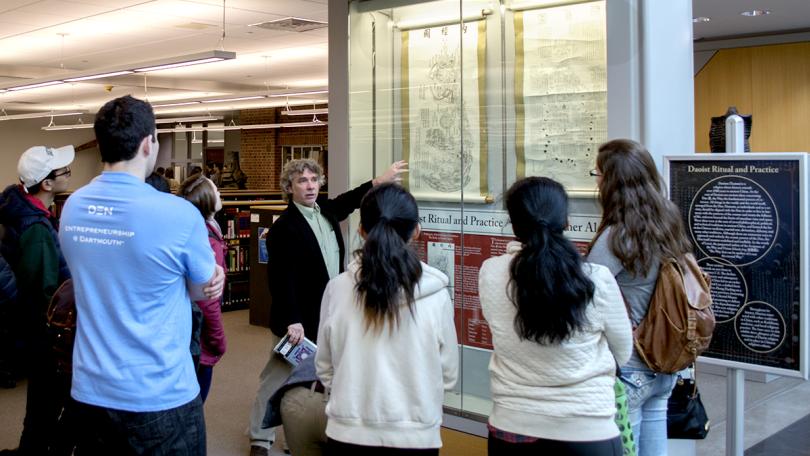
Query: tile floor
(780, 405)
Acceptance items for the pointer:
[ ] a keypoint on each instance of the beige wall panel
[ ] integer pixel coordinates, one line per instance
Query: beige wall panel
(725, 81)
(781, 81)
(770, 82)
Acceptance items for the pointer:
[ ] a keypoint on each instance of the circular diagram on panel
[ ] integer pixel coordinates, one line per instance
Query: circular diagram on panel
(760, 327)
(729, 290)
(733, 217)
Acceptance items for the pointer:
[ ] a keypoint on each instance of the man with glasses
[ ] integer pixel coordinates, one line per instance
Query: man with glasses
(31, 246)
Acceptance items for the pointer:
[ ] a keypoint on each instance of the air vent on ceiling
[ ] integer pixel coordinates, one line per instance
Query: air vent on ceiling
(291, 24)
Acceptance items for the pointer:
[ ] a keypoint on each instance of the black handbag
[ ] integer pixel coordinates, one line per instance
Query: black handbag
(686, 416)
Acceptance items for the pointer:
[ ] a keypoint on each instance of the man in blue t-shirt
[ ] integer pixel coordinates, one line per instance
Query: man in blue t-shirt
(134, 280)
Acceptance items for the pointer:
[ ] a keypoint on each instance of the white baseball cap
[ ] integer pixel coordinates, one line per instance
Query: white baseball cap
(37, 162)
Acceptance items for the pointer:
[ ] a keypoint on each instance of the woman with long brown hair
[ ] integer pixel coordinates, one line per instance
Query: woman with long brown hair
(639, 227)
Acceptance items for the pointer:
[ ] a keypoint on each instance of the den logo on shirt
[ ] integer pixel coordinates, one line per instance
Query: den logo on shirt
(96, 209)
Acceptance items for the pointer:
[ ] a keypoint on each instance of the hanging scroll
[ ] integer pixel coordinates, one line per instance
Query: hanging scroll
(561, 92)
(444, 122)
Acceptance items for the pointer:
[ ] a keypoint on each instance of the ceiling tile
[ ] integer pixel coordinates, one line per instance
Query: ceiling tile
(9, 5)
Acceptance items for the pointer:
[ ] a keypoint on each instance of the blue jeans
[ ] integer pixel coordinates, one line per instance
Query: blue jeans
(647, 395)
(178, 432)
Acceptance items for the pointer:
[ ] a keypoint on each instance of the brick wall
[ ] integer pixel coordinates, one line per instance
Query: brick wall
(260, 150)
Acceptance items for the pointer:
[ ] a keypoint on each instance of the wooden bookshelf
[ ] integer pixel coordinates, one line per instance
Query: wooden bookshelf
(235, 221)
(262, 218)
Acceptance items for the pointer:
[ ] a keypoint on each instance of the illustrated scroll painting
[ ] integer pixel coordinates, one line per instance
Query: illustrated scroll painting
(561, 92)
(444, 127)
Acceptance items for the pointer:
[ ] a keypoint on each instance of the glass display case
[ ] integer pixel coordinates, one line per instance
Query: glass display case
(476, 94)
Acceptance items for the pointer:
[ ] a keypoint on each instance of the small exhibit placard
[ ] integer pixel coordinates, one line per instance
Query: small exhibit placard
(746, 216)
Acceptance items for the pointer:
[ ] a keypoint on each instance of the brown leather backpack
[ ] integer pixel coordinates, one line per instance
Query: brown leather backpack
(679, 322)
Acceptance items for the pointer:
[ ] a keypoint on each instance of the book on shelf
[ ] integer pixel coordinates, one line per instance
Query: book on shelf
(236, 295)
(243, 218)
(237, 258)
(295, 353)
(237, 223)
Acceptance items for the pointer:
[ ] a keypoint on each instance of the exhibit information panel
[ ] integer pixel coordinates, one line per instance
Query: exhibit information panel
(460, 253)
(746, 217)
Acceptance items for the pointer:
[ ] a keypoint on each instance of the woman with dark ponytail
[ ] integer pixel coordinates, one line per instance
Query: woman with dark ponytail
(387, 342)
(640, 226)
(558, 328)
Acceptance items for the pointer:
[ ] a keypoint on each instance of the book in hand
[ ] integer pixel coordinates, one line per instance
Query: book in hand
(293, 353)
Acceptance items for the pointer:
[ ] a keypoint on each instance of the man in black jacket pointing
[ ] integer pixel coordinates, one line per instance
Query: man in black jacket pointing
(305, 250)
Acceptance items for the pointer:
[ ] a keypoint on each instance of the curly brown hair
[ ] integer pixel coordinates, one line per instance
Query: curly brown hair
(644, 225)
(295, 167)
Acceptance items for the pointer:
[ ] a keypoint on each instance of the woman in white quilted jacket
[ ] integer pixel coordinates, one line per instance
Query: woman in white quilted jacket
(387, 343)
(559, 327)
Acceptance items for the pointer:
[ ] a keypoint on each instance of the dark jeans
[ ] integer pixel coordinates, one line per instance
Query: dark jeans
(335, 448)
(610, 447)
(178, 432)
(46, 396)
(204, 375)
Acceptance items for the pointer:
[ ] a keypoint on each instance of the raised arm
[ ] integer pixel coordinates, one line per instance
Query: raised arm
(344, 204)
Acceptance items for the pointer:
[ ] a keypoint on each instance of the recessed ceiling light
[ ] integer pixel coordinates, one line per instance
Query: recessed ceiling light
(753, 13)
(701, 19)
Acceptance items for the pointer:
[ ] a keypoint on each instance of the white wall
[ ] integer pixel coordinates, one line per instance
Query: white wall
(667, 78)
(650, 75)
(18, 135)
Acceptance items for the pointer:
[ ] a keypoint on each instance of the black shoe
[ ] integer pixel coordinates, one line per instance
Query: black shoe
(13, 452)
(256, 450)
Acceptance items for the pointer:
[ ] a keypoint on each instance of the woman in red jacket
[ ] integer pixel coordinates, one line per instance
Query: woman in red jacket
(204, 195)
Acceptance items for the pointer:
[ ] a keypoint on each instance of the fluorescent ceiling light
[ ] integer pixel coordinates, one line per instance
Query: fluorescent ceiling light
(208, 109)
(247, 97)
(35, 85)
(179, 103)
(156, 65)
(242, 127)
(305, 112)
(222, 100)
(97, 76)
(188, 60)
(296, 94)
(701, 19)
(188, 119)
(40, 115)
(537, 4)
(78, 126)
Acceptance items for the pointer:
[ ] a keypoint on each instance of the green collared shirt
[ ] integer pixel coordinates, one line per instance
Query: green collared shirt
(325, 235)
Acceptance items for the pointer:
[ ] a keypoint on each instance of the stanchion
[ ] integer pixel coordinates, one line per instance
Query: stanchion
(735, 412)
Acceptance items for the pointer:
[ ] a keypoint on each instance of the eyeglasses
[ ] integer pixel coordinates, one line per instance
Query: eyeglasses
(66, 172)
(595, 173)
